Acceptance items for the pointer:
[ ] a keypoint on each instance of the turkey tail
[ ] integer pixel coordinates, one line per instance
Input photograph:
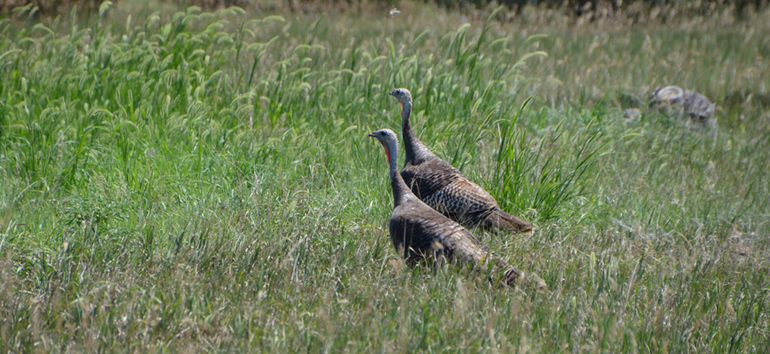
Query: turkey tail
(513, 276)
(504, 221)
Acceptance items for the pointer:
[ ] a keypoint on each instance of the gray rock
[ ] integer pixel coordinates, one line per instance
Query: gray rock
(683, 102)
(632, 114)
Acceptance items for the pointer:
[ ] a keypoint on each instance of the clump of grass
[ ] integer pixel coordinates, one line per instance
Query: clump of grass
(540, 174)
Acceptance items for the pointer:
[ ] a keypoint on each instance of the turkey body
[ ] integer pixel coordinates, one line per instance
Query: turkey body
(446, 190)
(418, 232)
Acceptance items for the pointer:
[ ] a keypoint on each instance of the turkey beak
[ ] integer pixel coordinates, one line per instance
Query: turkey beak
(371, 135)
(392, 93)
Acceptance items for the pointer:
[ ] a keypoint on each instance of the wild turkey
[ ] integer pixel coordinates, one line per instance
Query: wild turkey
(445, 188)
(419, 232)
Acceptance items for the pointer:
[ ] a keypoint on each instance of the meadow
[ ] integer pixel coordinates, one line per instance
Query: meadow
(186, 181)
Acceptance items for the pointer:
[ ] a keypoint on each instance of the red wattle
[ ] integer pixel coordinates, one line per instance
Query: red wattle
(387, 151)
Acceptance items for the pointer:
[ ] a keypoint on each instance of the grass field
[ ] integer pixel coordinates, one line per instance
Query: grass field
(197, 181)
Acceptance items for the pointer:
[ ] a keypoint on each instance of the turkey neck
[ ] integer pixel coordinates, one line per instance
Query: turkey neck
(400, 190)
(416, 152)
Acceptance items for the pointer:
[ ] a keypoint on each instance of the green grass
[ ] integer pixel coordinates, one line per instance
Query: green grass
(203, 182)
